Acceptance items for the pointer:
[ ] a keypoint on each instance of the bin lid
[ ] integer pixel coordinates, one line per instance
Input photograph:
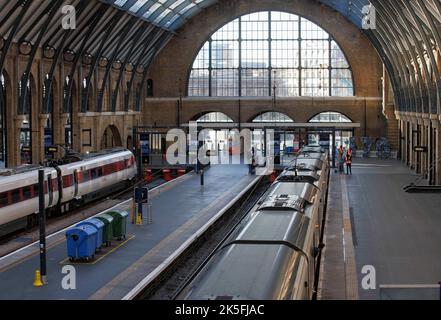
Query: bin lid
(106, 218)
(81, 231)
(118, 213)
(96, 223)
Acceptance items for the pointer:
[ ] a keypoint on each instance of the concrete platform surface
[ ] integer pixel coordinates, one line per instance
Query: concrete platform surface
(179, 210)
(391, 232)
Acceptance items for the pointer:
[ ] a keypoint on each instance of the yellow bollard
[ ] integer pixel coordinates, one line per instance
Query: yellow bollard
(37, 281)
(139, 220)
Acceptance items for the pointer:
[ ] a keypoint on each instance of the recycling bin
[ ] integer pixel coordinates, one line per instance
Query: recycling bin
(81, 242)
(119, 223)
(108, 227)
(97, 224)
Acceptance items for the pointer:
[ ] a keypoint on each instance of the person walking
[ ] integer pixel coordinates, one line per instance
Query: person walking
(349, 162)
(341, 159)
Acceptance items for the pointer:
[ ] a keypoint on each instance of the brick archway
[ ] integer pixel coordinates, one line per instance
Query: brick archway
(111, 138)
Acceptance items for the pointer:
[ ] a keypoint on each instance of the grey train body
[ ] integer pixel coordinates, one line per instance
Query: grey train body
(272, 254)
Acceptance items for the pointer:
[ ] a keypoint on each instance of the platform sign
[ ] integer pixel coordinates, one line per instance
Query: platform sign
(420, 149)
(52, 149)
(140, 205)
(145, 147)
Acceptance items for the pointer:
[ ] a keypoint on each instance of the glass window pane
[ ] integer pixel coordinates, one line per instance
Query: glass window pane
(312, 31)
(273, 117)
(315, 82)
(215, 117)
(225, 54)
(228, 32)
(284, 26)
(255, 54)
(315, 54)
(285, 54)
(198, 85)
(203, 58)
(255, 26)
(287, 82)
(255, 82)
(335, 117)
(225, 82)
(338, 59)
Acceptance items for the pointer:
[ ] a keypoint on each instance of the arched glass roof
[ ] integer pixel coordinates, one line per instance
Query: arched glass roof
(406, 34)
(170, 14)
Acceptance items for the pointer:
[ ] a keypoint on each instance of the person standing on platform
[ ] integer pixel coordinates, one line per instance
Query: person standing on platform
(341, 159)
(349, 162)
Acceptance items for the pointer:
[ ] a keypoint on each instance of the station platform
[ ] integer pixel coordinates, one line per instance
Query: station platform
(373, 222)
(180, 208)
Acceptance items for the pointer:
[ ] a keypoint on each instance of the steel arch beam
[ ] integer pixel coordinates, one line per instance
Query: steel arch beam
(137, 35)
(130, 23)
(407, 54)
(54, 5)
(420, 52)
(152, 38)
(25, 4)
(94, 64)
(432, 93)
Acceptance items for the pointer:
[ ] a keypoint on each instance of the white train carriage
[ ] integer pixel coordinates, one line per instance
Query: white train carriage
(19, 193)
(272, 254)
(84, 178)
(92, 177)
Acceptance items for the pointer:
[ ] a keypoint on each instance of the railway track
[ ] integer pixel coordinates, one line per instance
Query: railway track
(179, 273)
(22, 238)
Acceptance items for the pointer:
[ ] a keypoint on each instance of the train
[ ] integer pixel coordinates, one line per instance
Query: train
(273, 253)
(72, 182)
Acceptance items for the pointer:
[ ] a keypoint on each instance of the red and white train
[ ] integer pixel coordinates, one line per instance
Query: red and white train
(76, 183)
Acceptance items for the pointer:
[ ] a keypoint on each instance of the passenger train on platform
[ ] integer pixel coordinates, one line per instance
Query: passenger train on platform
(73, 182)
(273, 254)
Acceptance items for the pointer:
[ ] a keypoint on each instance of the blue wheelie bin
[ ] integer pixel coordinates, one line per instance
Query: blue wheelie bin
(97, 224)
(81, 243)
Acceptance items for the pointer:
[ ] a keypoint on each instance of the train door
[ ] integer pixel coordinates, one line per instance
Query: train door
(50, 190)
(76, 177)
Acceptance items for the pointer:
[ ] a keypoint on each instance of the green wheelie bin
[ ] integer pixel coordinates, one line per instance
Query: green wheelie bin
(108, 221)
(119, 223)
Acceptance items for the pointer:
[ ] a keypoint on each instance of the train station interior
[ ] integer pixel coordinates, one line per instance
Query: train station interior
(220, 150)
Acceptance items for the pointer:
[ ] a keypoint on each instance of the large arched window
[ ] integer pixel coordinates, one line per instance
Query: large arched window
(257, 52)
(273, 117)
(214, 117)
(330, 117)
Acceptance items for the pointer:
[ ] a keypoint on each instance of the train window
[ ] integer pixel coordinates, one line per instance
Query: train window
(86, 176)
(27, 194)
(4, 199)
(100, 172)
(36, 190)
(93, 174)
(54, 185)
(67, 181)
(16, 195)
